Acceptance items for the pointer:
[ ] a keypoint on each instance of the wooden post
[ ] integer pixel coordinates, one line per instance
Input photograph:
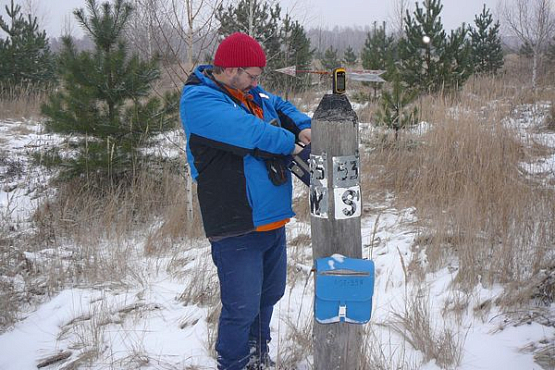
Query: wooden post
(335, 203)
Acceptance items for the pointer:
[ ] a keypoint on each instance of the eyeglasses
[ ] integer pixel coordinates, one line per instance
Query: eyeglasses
(253, 78)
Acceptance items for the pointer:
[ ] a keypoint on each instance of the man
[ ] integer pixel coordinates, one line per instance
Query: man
(239, 139)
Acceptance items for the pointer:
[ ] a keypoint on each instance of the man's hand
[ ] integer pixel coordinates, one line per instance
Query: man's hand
(304, 136)
(297, 149)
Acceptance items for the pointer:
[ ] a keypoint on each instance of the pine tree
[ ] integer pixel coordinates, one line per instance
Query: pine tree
(429, 60)
(456, 63)
(104, 104)
(330, 60)
(296, 52)
(487, 53)
(349, 56)
(257, 19)
(25, 55)
(395, 109)
(262, 21)
(418, 55)
(379, 53)
(284, 41)
(379, 49)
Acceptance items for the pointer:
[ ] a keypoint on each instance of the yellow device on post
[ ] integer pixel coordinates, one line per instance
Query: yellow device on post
(339, 83)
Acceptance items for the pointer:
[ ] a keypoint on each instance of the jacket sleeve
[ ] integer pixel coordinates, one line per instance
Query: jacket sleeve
(217, 121)
(292, 114)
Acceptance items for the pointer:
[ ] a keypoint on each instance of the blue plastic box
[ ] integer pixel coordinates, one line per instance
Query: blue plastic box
(344, 290)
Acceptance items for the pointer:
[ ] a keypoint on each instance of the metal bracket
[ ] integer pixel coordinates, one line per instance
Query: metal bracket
(342, 312)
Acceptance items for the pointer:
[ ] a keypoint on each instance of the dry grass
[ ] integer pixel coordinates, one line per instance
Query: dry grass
(88, 212)
(202, 287)
(86, 234)
(551, 117)
(545, 357)
(417, 328)
(88, 337)
(212, 328)
(299, 340)
(385, 354)
(176, 224)
(465, 179)
(300, 204)
(22, 101)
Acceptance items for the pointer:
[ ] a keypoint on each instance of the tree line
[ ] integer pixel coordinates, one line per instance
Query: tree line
(104, 94)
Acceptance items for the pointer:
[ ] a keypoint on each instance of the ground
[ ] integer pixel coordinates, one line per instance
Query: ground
(160, 313)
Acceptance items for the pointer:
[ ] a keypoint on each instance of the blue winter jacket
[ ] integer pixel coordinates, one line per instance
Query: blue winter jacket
(227, 147)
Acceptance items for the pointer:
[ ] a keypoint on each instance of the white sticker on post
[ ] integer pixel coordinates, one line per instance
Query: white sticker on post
(348, 202)
(345, 171)
(319, 202)
(319, 170)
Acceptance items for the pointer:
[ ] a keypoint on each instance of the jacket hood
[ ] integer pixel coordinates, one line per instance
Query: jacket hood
(199, 78)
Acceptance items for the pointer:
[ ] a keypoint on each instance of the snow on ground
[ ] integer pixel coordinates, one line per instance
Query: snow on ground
(149, 322)
(528, 119)
(123, 328)
(21, 183)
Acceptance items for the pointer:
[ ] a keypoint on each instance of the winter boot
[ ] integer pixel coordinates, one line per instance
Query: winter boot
(264, 363)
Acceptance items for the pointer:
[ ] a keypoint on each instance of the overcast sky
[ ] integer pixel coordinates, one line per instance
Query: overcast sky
(54, 15)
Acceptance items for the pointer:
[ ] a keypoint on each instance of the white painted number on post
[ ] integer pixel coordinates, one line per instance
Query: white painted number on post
(345, 171)
(319, 201)
(318, 170)
(347, 202)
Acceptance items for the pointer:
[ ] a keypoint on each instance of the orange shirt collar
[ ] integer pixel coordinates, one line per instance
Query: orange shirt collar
(246, 99)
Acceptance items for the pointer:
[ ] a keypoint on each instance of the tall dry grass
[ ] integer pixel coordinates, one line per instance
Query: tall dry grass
(551, 117)
(22, 100)
(87, 234)
(464, 176)
(87, 212)
(416, 326)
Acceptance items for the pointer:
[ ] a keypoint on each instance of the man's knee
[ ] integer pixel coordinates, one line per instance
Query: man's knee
(240, 313)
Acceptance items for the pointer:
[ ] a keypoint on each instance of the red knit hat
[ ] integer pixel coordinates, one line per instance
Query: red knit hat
(239, 50)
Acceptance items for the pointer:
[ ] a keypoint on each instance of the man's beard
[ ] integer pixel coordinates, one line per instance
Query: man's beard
(235, 83)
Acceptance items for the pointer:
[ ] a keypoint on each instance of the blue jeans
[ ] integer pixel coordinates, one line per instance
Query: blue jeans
(251, 270)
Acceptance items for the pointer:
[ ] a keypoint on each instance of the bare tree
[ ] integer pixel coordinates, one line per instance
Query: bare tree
(322, 38)
(68, 28)
(204, 23)
(34, 8)
(142, 28)
(180, 31)
(400, 8)
(533, 23)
